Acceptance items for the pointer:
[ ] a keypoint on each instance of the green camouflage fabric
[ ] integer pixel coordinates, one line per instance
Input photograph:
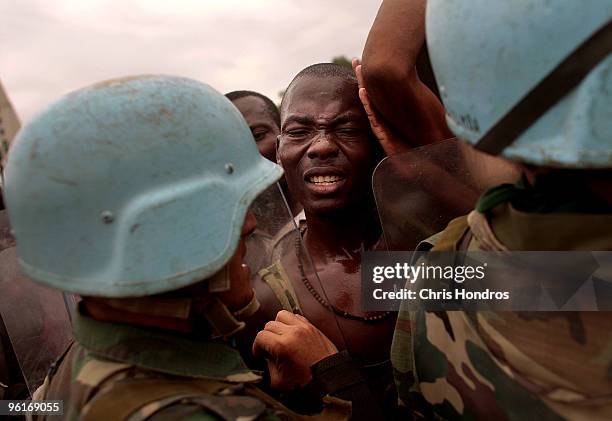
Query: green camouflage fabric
(509, 365)
(123, 372)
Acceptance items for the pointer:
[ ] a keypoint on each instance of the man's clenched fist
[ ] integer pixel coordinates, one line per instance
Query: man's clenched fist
(291, 344)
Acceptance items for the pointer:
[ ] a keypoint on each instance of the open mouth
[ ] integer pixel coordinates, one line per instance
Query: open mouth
(323, 183)
(324, 180)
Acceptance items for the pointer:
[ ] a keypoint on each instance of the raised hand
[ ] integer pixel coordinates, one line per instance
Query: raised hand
(390, 142)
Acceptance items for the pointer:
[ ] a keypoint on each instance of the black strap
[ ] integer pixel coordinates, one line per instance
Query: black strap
(341, 376)
(337, 372)
(559, 82)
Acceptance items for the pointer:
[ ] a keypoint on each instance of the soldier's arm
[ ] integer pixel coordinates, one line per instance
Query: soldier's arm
(390, 76)
(340, 375)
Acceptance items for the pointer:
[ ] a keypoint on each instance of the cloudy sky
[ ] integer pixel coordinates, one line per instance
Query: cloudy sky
(50, 47)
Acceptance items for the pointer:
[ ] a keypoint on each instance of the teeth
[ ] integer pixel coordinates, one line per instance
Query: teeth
(324, 179)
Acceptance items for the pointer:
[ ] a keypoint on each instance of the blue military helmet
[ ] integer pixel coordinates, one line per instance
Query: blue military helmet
(133, 187)
(527, 79)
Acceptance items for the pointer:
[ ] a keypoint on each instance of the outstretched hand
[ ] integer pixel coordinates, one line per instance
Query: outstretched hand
(291, 344)
(391, 143)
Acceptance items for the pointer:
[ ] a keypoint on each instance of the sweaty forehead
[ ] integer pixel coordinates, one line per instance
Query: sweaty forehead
(321, 95)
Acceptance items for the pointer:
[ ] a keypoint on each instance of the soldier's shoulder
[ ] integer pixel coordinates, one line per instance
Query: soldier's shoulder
(148, 395)
(95, 388)
(209, 407)
(449, 238)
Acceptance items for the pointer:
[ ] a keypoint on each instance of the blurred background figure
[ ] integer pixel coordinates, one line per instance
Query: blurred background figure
(263, 119)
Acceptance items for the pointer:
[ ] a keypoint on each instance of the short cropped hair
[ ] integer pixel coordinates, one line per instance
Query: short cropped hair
(322, 70)
(271, 108)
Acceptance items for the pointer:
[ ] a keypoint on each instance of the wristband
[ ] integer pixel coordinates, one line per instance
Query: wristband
(337, 372)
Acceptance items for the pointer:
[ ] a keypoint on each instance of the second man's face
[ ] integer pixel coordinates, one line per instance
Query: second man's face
(263, 127)
(325, 145)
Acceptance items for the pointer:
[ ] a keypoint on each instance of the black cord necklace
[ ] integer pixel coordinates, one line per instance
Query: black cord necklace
(323, 301)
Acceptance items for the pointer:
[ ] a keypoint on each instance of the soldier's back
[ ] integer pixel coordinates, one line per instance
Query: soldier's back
(94, 388)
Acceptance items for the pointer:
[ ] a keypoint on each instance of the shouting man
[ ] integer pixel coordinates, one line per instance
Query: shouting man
(328, 152)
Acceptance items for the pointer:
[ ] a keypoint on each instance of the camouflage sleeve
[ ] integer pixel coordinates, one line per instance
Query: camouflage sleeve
(184, 413)
(409, 396)
(410, 399)
(189, 405)
(205, 408)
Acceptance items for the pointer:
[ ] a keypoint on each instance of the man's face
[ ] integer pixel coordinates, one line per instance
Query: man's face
(325, 145)
(263, 127)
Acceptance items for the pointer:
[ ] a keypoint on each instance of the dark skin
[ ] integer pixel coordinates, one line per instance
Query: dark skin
(265, 131)
(263, 127)
(325, 135)
(402, 101)
(403, 114)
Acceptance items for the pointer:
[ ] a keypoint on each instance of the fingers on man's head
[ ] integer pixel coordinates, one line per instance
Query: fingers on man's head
(359, 75)
(365, 101)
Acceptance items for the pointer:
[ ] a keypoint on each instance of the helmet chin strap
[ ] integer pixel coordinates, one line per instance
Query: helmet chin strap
(216, 313)
(220, 281)
(559, 82)
(155, 306)
(220, 319)
(210, 316)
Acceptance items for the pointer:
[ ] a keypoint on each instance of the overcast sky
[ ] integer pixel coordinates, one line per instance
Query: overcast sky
(50, 47)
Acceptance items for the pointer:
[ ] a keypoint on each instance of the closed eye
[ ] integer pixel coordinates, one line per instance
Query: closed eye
(297, 133)
(259, 134)
(348, 132)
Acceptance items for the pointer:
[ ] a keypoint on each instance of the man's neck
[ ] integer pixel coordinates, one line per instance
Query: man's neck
(294, 206)
(99, 310)
(340, 233)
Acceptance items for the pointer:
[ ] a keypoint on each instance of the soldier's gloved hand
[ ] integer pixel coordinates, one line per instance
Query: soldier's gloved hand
(291, 344)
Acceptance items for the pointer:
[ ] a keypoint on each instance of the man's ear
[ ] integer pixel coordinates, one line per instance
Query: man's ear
(278, 161)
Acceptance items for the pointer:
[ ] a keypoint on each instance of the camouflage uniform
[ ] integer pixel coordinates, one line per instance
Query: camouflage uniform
(184, 173)
(116, 372)
(512, 365)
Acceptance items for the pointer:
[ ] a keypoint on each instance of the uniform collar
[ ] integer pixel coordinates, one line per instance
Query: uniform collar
(161, 351)
(552, 231)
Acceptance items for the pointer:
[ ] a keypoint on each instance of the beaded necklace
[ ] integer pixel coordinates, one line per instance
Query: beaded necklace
(323, 301)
